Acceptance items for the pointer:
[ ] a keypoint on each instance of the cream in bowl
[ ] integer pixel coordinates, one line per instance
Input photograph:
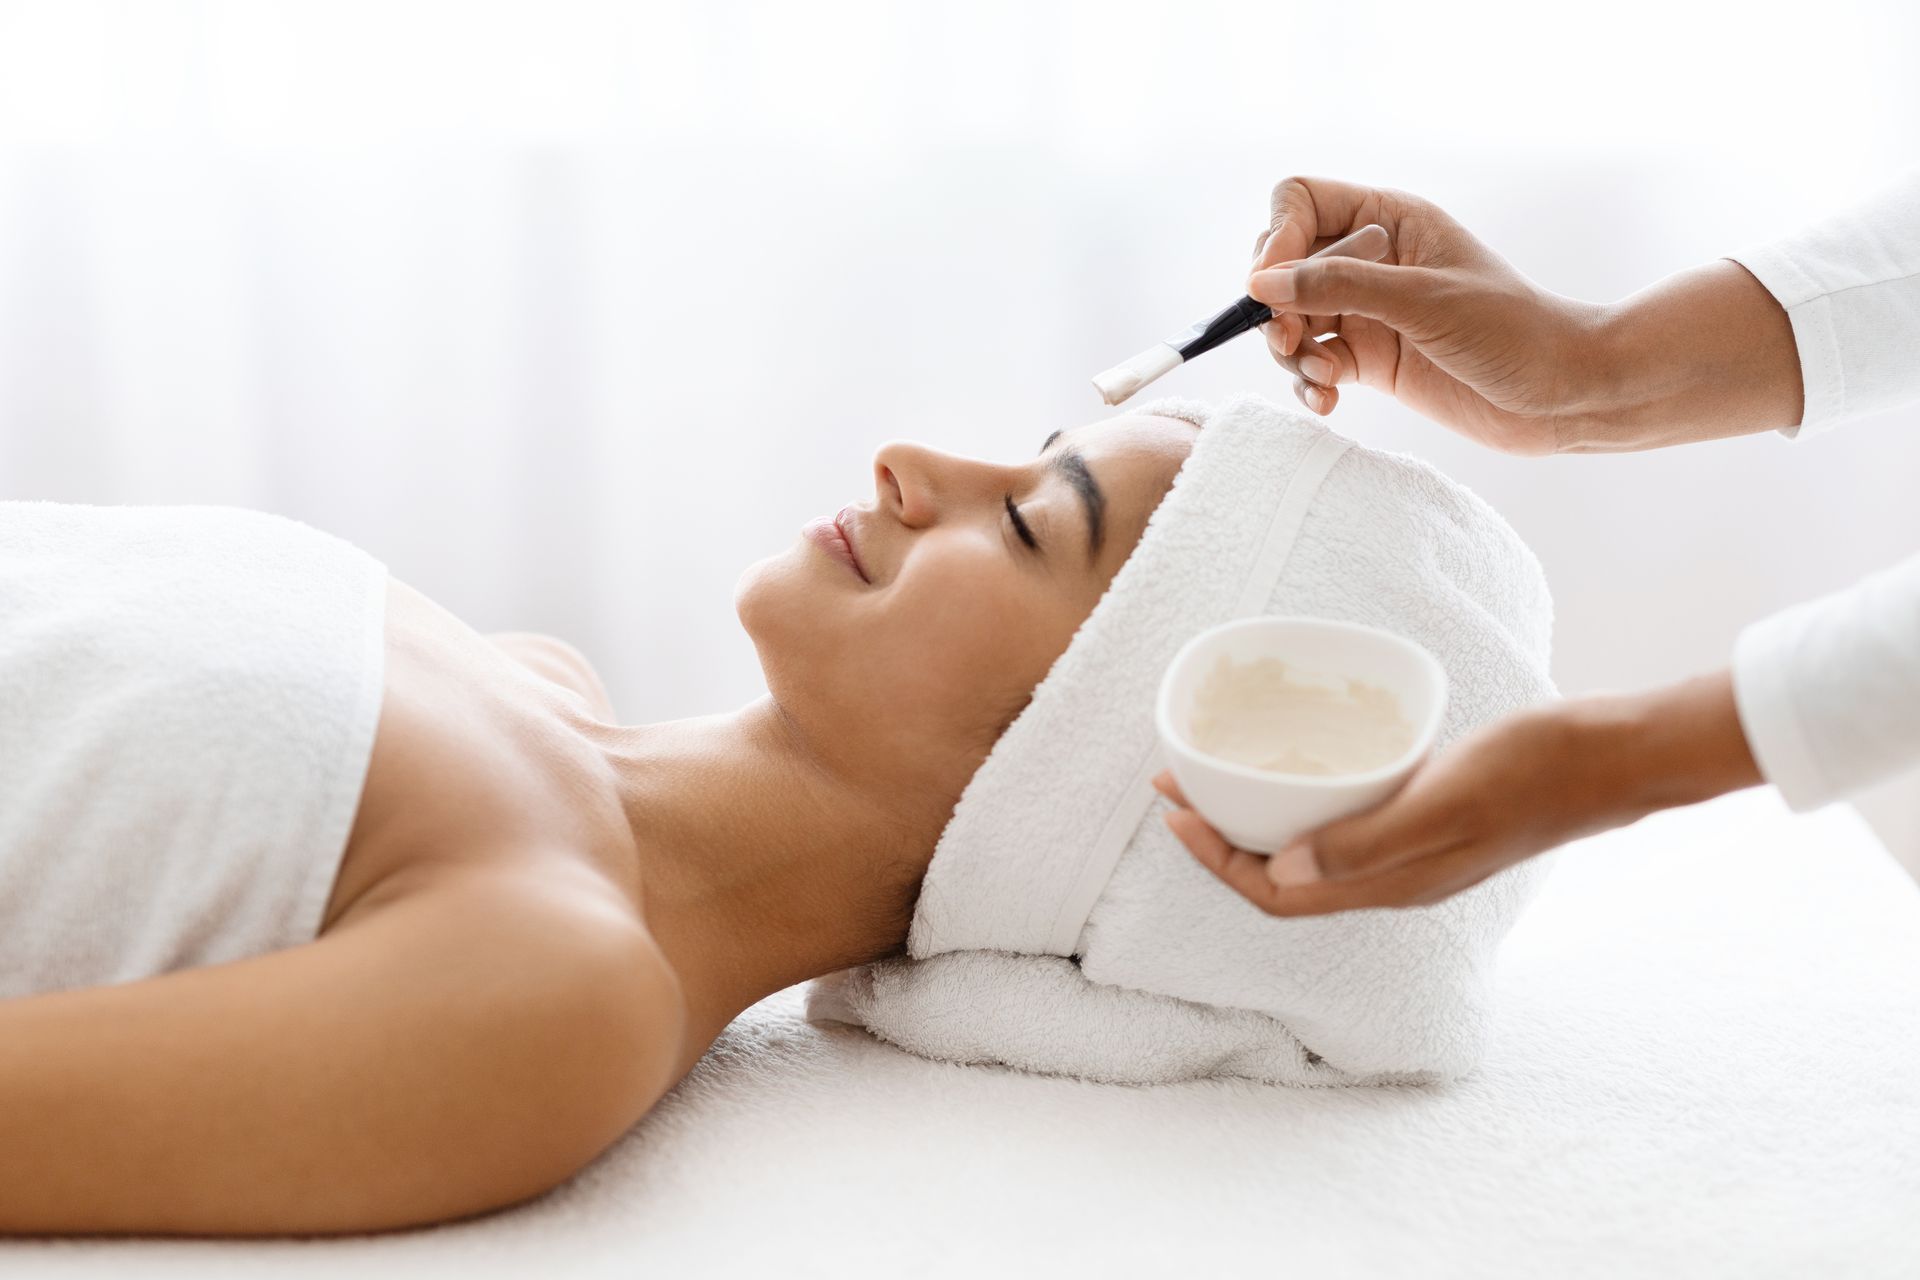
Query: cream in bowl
(1273, 726)
(1265, 714)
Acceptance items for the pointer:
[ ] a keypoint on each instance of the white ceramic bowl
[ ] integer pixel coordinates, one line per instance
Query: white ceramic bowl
(1261, 810)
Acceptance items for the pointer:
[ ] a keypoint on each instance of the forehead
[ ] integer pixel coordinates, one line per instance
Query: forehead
(1131, 446)
(1133, 458)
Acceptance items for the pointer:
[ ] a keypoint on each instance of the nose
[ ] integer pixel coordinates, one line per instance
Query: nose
(922, 485)
(886, 480)
(904, 479)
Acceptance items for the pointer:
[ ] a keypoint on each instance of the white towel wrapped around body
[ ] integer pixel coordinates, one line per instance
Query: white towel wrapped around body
(189, 697)
(1061, 926)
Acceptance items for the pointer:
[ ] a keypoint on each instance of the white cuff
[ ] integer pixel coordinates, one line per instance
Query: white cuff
(1763, 695)
(1823, 380)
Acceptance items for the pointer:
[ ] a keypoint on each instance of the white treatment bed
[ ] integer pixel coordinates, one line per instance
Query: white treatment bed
(1707, 1064)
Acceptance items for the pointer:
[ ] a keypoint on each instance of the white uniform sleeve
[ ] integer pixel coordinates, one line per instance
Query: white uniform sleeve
(1851, 288)
(1829, 691)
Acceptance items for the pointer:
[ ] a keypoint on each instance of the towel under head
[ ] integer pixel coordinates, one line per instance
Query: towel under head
(1057, 849)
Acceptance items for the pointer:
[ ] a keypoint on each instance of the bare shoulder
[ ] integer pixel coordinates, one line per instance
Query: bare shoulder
(456, 1050)
(563, 955)
(555, 659)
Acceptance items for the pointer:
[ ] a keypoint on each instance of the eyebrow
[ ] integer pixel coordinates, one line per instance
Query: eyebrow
(1070, 465)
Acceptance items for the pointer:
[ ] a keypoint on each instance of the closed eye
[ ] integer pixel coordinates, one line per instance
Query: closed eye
(1020, 524)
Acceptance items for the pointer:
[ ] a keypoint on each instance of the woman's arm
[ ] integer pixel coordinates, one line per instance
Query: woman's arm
(1823, 700)
(453, 1052)
(1797, 333)
(1850, 284)
(1810, 329)
(1509, 790)
(1702, 355)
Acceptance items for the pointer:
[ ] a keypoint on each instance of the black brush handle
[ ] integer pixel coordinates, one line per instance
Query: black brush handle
(1369, 242)
(1248, 313)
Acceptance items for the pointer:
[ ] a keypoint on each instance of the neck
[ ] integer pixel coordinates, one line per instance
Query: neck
(756, 864)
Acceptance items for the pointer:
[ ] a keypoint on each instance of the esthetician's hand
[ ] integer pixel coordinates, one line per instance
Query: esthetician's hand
(1514, 788)
(1448, 327)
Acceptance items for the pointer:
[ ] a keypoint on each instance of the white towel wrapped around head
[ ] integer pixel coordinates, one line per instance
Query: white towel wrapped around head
(1063, 928)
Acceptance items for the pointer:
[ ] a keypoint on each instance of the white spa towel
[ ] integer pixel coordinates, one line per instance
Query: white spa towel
(188, 699)
(1062, 928)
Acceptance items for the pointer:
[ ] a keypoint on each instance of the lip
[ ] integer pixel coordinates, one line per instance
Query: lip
(844, 523)
(833, 536)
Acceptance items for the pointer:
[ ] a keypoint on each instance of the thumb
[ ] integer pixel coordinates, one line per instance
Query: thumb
(1400, 297)
(1385, 836)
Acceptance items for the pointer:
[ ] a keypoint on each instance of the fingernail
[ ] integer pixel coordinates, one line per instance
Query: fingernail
(1275, 285)
(1318, 369)
(1293, 866)
(1317, 400)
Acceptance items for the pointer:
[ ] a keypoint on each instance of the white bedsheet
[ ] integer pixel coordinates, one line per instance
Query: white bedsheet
(1706, 1063)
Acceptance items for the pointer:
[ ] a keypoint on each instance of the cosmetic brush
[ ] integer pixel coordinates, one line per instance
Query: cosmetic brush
(1116, 384)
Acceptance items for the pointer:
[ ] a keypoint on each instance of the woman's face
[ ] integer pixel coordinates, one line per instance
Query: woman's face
(972, 577)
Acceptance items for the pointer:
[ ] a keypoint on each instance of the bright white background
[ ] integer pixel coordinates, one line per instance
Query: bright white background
(569, 311)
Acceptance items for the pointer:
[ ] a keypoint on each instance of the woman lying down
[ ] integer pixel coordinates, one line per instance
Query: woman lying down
(325, 913)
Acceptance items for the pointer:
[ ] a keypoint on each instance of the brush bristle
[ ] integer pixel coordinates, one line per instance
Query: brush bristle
(1120, 382)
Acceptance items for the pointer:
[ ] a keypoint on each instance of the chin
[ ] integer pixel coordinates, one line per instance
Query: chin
(774, 597)
(783, 610)
(750, 591)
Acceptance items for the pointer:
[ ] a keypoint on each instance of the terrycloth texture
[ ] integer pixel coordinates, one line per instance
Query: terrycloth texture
(1702, 1066)
(188, 698)
(1057, 847)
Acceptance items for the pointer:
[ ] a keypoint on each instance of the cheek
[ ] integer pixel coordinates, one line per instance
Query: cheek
(968, 644)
